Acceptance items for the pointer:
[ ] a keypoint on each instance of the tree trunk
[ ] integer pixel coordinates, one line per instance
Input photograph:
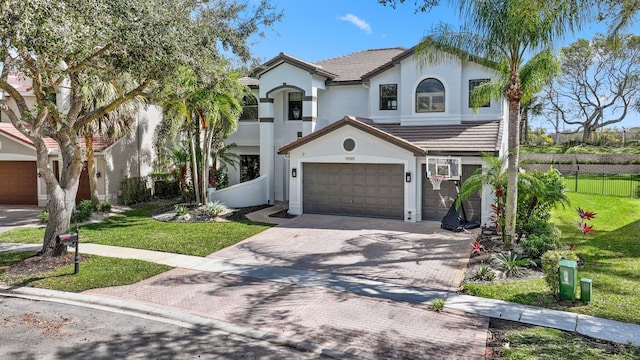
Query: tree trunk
(206, 155)
(62, 194)
(91, 169)
(194, 166)
(514, 94)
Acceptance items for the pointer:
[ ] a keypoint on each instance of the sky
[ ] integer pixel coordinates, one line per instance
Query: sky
(314, 30)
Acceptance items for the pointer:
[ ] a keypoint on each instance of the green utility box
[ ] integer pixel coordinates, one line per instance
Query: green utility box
(568, 274)
(585, 290)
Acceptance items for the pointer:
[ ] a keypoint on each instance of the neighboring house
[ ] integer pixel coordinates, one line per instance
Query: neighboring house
(19, 180)
(352, 135)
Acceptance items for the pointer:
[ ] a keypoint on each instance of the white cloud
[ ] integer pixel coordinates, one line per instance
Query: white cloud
(363, 25)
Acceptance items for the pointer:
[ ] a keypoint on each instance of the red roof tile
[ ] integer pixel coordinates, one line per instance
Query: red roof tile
(10, 130)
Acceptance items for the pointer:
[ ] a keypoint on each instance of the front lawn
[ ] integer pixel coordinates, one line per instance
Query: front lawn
(611, 255)
(95, 272)
(136, 229)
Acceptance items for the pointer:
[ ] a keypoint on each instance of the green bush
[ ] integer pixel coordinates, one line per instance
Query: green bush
(437, 305)
(134, 190)
(83, 211)
(511, 264)
(484, 273)
(551, 265)
(536, 245)
(44, 217)
(216, 208)
(104, 206)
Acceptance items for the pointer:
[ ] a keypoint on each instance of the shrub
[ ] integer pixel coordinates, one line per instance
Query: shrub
(181, 210)
(104, 206)
(216, 208)
(484, 273)
(437, 305)
(83, 211)
(511, 264)
(536, 245)
(44, 217)
(551, 265)
(134, 190)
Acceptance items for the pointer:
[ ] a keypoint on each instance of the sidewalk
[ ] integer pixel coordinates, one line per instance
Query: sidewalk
(594, 327)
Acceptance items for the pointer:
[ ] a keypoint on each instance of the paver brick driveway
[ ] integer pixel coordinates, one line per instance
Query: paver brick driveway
(415, 254)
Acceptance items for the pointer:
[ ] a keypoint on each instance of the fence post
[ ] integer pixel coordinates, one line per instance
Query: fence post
(602, 183)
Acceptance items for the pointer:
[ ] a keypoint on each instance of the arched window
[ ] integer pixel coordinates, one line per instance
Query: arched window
(430, 96)
(249, 109)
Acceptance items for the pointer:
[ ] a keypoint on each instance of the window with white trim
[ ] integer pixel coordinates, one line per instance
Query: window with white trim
(430, 96)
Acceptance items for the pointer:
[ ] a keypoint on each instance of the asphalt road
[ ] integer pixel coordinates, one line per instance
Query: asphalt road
(45, 330)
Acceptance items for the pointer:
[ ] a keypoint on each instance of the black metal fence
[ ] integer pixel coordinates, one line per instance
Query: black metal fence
(626, 185)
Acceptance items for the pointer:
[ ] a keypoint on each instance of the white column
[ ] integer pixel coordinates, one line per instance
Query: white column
(309, 112)
(267, 145)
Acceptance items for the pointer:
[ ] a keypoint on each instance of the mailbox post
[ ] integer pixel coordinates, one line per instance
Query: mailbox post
(71, 239)
(568, 277)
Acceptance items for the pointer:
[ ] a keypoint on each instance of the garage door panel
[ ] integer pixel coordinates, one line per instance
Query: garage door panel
(18, 183)
(364, 190)
(436, 203)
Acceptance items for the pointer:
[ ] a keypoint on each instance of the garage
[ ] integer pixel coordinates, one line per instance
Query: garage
(436, 203)
(371, 190)
(18, 183)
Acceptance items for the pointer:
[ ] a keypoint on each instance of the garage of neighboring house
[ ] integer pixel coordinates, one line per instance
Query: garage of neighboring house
(436, 203)
(18, 183)
(355, 189)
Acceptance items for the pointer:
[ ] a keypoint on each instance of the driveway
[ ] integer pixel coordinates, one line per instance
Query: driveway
(12, 216)
(415, 254)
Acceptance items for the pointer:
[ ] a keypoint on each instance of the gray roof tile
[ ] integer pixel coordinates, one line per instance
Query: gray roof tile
(353, 66)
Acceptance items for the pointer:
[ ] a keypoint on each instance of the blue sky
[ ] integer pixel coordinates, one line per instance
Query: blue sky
(315, 30)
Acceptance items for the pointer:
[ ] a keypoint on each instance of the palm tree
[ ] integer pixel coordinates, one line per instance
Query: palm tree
(501, 34)
(111, 126)
(208, 112)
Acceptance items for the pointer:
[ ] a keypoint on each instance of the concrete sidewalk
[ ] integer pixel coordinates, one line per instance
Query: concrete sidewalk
(598, 328)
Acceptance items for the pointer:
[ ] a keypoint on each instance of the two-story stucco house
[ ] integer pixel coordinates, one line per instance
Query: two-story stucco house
(359, 134)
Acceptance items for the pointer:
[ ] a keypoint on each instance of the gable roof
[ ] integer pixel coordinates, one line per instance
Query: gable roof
(9, 130)
(353, 121)
(283, 58)
(468, 137)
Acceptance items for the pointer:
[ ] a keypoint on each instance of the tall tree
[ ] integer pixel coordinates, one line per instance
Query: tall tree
(57, 43)
(505, 32)
(599, 84)
(206, 111)
(113, 125)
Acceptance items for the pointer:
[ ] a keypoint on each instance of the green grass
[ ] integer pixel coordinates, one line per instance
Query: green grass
(95, 272)
(542, 343)
(612, 261)
(136, 229)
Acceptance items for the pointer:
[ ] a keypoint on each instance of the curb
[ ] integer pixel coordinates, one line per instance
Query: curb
(170, 317)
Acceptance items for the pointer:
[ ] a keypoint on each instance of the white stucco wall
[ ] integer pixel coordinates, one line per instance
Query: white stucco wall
(369, 149)
(338, 101)
(133, 155)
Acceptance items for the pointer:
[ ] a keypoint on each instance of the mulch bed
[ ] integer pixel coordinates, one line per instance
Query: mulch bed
(40, 264)
(284, 214)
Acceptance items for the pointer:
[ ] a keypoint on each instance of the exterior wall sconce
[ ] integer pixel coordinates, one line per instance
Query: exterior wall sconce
(407, 177)
(39, 174)
(98, 174)
(294, 172)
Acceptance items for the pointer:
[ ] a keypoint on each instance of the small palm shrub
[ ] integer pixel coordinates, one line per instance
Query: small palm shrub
(484, 273)
(104, 206)
(512, 264)
(551, 265)
(216, 208)
(44, 217)
(83, 211)
(181, 210)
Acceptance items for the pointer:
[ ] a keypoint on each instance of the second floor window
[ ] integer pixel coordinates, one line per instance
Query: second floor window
(295, 106)
(249, 109)
(475, 83)
(430, 96)
(389, 97)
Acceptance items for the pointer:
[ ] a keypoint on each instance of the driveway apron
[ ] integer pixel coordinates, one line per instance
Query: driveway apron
(12, 216)
(385, 250)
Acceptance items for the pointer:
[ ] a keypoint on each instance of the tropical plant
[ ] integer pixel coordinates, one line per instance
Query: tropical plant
(110, 126)
(216, 208)
(484, 273)
(501, 34)
(512, 264)
(476, 247)
(43, 217)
